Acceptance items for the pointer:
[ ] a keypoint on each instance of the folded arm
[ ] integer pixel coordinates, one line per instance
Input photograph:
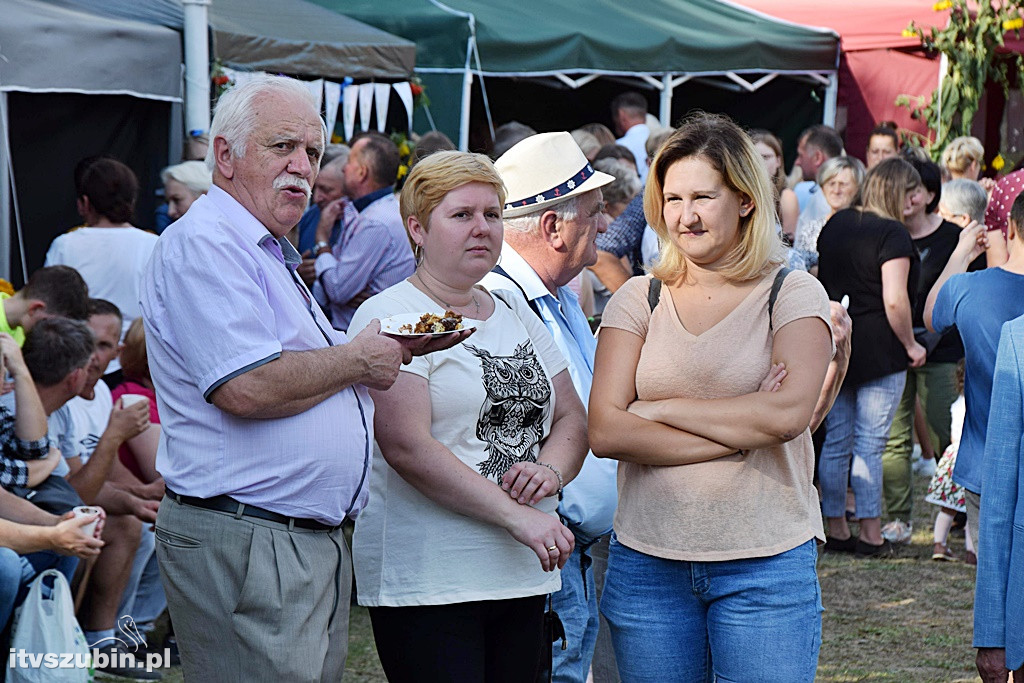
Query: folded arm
(621, 435)
(564, 449)
(759, 419)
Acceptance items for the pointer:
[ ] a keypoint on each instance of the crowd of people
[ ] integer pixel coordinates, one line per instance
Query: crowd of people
(679, 375)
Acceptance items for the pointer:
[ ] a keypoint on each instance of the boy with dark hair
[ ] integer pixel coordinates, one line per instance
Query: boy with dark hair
(53, 291)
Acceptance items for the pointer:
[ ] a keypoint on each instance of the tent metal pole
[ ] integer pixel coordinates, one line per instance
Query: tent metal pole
(5, 195)
(831, 98)
(197, 66)
(467, 92)
(665, 111)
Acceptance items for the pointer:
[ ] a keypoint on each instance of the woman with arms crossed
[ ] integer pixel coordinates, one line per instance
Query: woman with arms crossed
(712, 565)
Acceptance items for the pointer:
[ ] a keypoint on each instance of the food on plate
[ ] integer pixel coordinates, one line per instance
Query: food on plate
(430, 323)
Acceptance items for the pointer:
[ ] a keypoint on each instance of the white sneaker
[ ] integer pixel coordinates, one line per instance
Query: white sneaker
(898, 531)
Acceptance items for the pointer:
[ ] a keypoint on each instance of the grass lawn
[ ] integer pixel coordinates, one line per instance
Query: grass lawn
(896, 620)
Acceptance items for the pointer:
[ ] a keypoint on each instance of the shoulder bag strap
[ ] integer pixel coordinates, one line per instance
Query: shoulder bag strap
(654, 293)
(776, 286)
(530, 302)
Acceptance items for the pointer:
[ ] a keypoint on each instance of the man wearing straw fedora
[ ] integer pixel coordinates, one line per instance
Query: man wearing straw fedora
(552, 217)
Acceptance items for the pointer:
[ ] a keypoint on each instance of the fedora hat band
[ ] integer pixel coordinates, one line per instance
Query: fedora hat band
(557, 192)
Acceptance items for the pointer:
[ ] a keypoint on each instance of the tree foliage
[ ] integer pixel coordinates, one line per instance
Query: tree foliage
(971, 43)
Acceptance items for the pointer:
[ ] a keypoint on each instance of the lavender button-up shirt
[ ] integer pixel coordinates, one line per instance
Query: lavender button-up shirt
(219, 298)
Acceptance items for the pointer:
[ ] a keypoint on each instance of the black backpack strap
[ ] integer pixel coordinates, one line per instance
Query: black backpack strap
(530, 302)
(776, 286)
(654, 293)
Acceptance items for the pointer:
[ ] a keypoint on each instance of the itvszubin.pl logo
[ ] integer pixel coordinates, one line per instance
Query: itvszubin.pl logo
(100, 655)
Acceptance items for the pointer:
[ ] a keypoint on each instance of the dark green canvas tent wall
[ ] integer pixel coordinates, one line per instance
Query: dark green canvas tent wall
(653, 43)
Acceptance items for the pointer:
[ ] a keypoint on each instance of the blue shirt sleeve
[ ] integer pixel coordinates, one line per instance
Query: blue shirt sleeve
(944, 312)
(999, 502)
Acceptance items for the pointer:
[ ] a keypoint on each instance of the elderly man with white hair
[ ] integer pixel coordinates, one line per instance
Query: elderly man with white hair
(266, 432)
(553, 214)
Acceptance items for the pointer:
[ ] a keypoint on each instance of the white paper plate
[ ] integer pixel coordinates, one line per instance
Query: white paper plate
(392, 325)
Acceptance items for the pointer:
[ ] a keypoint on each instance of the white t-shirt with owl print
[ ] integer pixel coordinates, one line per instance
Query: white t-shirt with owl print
(492, 403)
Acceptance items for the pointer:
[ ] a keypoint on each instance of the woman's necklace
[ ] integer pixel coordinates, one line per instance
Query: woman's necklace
(431, 292)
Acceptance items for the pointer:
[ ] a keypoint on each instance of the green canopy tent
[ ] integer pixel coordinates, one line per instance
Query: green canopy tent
(657, 44)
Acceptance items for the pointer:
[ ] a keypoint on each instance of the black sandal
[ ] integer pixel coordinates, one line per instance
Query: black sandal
(840, 545)
(883, 549)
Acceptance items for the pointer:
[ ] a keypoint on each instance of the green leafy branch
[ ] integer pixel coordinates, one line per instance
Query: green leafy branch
(971, 44)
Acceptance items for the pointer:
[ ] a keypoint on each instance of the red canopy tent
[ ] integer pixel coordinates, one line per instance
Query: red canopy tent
(877, 64)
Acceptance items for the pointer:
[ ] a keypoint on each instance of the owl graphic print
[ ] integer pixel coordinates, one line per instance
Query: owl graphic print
(512, 417)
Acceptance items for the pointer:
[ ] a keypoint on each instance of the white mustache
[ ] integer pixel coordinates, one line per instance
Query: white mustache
(281, 182)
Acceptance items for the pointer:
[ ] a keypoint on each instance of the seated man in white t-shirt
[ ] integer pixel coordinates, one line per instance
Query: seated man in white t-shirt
(99, 429)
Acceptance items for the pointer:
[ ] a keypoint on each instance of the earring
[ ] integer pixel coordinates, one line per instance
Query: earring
(417, 254)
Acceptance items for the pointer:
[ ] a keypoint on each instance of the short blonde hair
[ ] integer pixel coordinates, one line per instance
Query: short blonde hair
(961, 153)
(730, 151)
(435, 176)
(886, 186)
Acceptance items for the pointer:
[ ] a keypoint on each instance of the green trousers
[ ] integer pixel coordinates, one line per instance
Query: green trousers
(934, 384)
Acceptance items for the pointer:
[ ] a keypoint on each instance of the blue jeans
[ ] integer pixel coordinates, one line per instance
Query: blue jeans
(18, 571)
(576, 605)
(756, 619)
(10, 583)
(857, 429)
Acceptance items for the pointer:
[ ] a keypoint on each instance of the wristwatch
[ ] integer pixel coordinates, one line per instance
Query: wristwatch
(320, 246)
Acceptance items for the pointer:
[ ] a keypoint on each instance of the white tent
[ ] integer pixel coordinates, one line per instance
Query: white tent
(49, 49)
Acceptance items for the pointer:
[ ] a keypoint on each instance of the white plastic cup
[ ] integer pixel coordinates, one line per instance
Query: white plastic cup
(132, 399)
(85, 510)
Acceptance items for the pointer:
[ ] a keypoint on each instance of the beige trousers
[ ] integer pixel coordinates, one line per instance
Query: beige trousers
(251, 600)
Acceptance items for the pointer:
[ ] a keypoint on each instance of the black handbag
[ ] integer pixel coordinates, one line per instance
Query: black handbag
(553, 632)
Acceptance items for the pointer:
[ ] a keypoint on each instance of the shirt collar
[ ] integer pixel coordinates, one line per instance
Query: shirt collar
(243, 221)
(283, 250)
(523, 273)
(251, 229)
(368, 199)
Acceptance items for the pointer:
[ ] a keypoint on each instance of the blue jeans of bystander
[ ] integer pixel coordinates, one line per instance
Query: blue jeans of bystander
(755, 619)
(576, 605)
(857, 431)
(18, 571)
(10, 582)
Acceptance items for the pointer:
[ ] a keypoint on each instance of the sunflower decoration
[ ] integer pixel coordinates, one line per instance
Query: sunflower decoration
(405, 147)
